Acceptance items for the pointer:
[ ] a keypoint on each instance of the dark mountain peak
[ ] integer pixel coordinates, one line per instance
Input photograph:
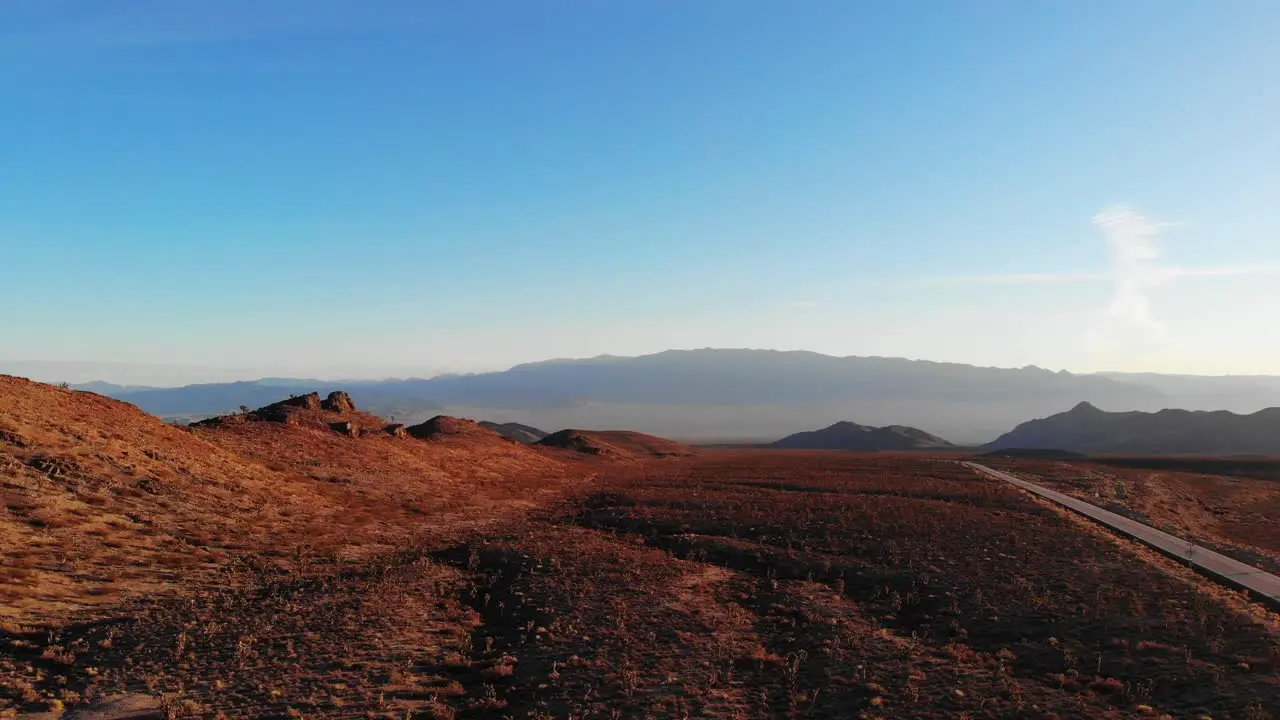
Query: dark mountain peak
(846, 435)
(1087, 429)
(847, 426)
(908, 431)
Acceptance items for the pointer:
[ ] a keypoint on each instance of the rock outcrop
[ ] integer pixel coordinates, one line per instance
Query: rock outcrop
(336, 412)
(345, 427)
(339, 402)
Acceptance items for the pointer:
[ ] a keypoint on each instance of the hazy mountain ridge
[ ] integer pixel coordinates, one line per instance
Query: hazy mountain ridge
(755, 394)
(109, 389)
(1087, 429)
(1236, 393)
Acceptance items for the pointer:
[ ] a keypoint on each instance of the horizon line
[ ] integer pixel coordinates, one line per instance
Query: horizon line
(374, 377)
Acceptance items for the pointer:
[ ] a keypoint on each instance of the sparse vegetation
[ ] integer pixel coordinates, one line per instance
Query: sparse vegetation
(1233, 512)
(280, 568)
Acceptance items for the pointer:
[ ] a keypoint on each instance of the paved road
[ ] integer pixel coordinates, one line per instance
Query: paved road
(1264, 585)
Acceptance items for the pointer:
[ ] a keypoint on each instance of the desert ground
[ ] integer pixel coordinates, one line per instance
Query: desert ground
(311, 560)
(1228, 504)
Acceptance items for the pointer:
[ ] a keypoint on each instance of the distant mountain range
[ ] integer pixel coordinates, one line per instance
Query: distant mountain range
(196, 402)
(111, 389)
(1086, 429)
(847, 435)
(709, 395)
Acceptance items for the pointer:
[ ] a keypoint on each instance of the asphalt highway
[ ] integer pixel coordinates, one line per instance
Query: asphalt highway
(1262, 584)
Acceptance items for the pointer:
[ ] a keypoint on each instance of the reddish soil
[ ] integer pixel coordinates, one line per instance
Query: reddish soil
(838, 585)
(118, 523)
(1234, 514)
(103, 504)
(464, 576)
(1258, 468)
(456, 474)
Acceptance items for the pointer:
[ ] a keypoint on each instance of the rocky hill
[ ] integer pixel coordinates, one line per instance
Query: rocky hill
(153, 509)
(145, 508)
(1087, 429)
(443, 464)
(616, 444)
(516, 431)
(847, 435)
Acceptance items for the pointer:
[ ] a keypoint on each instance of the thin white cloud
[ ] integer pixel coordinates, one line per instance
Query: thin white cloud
(1076, 278)
(1025, 278)
(803, 303)
(1225, 271)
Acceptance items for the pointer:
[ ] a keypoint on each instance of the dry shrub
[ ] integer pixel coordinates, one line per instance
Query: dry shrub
(436, 710)
(1107, 686)
(498, 672)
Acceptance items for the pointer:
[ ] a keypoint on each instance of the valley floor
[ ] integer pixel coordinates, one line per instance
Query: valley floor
(735, 584)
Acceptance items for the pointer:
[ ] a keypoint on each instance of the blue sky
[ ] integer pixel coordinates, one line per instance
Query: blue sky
(343, 187)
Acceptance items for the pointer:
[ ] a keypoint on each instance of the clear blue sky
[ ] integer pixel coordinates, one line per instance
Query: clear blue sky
(324, 185)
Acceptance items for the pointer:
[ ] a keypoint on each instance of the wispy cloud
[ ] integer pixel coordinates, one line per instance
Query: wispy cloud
(1023, 278)
(1225, 271)
(803, 303)
(1127, 324)
(1135, 273)
(1167, 273)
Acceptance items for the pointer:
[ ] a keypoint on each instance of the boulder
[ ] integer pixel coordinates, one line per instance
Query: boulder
(310, 401)
(339, 402)
(346, 427)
